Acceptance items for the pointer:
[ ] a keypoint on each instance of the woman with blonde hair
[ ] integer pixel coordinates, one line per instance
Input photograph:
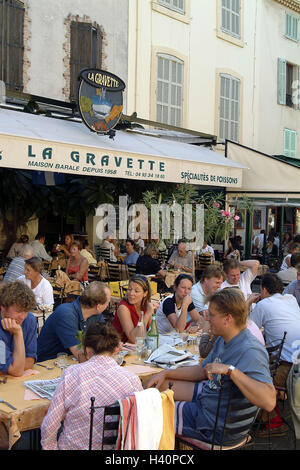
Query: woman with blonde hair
(128, 314)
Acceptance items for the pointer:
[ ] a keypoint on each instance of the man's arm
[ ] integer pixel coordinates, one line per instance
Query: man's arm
(17, 366)
(252, 264)
(261, 394)
(189, 374)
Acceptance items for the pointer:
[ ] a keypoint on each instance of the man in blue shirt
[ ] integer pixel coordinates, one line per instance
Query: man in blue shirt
(18, 329)
(132, 255)
(61, 327)
(237, 354)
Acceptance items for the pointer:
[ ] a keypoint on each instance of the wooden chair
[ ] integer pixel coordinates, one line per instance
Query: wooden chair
(131, 271)
(104, 253)
(235, 433)
(114, 271)
(93, 273)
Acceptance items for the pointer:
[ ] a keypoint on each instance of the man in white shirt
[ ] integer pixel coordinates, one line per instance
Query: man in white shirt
(108, 245)
(290, 274)
(235, 278)
(39, 249)
(278, 313)
(211, 280)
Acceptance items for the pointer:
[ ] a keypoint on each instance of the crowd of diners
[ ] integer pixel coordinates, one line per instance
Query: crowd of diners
(236, 326)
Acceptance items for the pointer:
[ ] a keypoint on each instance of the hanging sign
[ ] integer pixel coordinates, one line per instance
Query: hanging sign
(100, 99)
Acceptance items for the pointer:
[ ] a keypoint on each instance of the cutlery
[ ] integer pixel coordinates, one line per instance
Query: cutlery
(7, 404)
(46, 367)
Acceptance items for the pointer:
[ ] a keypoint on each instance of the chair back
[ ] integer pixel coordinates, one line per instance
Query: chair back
(131, 270)
(114, 271)
(111, 416)
(104, 253)
(93, 273)
(274, 355)
(163, 256)
(239, 418)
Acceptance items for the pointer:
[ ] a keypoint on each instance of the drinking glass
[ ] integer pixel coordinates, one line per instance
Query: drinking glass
(139, 348)
(119, 358)
(61, 361)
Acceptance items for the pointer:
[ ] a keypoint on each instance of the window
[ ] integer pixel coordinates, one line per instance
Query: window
(291, 26)
(230, 17)
(169, 90)
(290, 143)
(86, 51)
(229, 114)
(11, 44)
(176, 5)
(287, 84)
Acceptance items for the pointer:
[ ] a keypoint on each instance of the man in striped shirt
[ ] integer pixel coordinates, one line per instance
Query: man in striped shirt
(17, 265)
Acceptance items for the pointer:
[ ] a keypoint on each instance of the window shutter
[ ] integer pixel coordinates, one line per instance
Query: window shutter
(291, 26)
(81, 53)
(281, 82)
(290, 143)
(11, 43)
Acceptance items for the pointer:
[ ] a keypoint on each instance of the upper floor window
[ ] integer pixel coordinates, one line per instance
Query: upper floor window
(11, 43)
(290, 143)
(229, 114)
(231, 17)
(288, 76)
(169, 90)
(86, 51)
(291, 26)
(176, 5)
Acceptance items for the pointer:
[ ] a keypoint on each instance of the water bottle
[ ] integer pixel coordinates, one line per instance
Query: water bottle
(152, 338)
(140, 339)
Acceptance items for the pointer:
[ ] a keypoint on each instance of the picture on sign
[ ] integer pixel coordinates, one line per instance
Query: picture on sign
(100, 99)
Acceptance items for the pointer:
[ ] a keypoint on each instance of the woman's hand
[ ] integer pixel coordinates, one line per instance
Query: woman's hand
(187, 300)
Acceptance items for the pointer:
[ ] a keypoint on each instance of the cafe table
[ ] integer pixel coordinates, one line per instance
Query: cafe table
(29, 414)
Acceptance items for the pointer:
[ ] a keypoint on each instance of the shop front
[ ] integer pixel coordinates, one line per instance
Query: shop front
(272, 185)
(53, 147)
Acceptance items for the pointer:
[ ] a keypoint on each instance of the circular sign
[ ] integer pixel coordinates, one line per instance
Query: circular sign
(100, 99)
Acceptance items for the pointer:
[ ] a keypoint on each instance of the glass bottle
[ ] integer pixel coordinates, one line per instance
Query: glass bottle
(140, 338)
(152, 338)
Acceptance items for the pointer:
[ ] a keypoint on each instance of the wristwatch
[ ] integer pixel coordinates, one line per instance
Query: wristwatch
(230, 369)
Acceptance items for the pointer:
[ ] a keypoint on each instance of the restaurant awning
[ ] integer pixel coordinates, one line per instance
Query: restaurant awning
(269, 176)
(35, 142)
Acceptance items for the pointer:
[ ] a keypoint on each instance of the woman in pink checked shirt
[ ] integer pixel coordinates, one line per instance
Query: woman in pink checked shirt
(100, 377)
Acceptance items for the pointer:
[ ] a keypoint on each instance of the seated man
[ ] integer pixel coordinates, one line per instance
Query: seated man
(109, 245)
(39, 249)
(18, 329)
(235, 278)
(290, 274)
(294, 287)
(132, 255)
(148, 264)
(181, 258)
(236, 354)
(210, 281)
(17, 265)
(60, 329)
(278, 313)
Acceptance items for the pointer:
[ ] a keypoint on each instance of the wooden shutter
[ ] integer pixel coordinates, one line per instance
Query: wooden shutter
(281, 81)
(11, 43)
(81, 53)
(291, 26)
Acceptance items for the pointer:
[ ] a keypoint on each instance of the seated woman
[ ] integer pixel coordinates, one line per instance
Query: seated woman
(286, 263)
(176, 311)
(232, 250)
(40, 286)
(69, 239)
(147, 264)
(17, 247)
(100, 377)
(137, 299)
(77, 265)
(88, 253)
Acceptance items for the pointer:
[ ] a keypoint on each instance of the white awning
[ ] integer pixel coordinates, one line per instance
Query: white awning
(29, 141)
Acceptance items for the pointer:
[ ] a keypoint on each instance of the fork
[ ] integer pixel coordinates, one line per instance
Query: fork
(7, 404)
(46, 367)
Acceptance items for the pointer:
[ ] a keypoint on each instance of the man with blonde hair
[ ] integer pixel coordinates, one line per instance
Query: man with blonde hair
(237, 355)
